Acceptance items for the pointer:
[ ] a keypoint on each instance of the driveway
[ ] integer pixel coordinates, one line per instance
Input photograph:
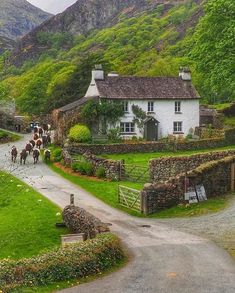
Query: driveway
(167, 256)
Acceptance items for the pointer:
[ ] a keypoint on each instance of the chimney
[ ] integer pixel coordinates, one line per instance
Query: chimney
(97, 73)
(113, 74)
(185, 73)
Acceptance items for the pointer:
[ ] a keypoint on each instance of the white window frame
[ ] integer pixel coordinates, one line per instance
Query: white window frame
(178, 127)
(126, 106)
(127, 127)
(178, 106)
(150, 106)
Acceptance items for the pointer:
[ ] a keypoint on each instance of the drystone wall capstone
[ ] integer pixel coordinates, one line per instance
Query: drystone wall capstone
(164, 168)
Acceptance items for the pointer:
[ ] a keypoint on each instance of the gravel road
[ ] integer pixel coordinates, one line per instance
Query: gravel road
(169, 256)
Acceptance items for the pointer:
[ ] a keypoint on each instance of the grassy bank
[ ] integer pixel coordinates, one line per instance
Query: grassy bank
(27, 220)
(7, 136)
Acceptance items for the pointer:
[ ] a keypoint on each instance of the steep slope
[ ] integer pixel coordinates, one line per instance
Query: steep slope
(18, 17)
(81, 18)
(6, 44)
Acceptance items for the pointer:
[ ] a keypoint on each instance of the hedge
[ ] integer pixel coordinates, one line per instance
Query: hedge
(72, 262)
(79, 133)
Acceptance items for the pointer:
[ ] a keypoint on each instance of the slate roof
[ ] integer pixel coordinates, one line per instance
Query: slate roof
(78, 103)
(128, 87)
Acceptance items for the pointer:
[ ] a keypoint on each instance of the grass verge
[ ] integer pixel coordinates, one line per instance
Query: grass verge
(27, 220)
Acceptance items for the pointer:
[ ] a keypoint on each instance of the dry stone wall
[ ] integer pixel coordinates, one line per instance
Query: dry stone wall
(215, 176)
(112, 167)
(144, 147)
(163, 168)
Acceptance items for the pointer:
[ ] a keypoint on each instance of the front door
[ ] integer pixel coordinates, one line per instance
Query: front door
(151, 130)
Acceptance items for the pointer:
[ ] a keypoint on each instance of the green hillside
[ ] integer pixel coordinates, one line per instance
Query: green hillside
(153, 43)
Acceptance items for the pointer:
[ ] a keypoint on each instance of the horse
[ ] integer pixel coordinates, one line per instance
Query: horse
(40, 131)
(36, 154)
(23, 156)
(39, 143)
(36, 136)
(47, 155)
(14, 153)
(29, 147)
(44, 141)
(32, 142)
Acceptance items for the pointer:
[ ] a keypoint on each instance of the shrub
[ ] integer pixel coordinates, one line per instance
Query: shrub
(74, 261)
(114, 135)
(57, 154)
(100, 172)
(79, 133)
(84, 168)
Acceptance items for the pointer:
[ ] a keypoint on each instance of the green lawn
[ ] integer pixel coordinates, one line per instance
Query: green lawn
(221, 106)
(27, 220)
(107, 192)
(143, 158)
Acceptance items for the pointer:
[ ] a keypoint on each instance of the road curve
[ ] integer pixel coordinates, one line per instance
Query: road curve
(165, 259)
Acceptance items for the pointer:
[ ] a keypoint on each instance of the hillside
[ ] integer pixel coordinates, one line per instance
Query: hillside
(18, 17)
(79, 19)
(6, 44)
(150, 40)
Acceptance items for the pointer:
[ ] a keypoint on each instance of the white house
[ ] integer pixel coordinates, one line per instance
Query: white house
(171, 103)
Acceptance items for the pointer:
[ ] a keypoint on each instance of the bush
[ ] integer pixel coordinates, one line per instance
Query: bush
(79, 133)
(100, 172)
(84, 168)
(74, 261)
(114, 135)
(57, 154)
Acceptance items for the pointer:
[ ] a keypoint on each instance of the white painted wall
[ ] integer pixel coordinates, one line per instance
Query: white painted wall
(165, 114)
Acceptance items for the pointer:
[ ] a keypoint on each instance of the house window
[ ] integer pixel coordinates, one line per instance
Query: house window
(126, 106)
(127, 127)
(178, 127)
(150, 106)
(177, 107)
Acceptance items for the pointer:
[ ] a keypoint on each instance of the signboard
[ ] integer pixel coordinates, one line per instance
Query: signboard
(191, 196)
(201, 193)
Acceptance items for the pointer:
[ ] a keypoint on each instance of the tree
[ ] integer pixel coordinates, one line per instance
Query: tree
(214, 49)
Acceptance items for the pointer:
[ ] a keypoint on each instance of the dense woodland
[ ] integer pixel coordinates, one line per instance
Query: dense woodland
(153, 43)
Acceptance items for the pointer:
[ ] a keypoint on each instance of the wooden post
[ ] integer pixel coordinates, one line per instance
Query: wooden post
(72, 199)
(233, 177)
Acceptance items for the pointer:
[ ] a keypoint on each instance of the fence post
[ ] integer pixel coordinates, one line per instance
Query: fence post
(72, 199)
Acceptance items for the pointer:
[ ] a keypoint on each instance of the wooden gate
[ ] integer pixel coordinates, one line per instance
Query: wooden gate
(130, 198)
(233, 177)
(135, 173)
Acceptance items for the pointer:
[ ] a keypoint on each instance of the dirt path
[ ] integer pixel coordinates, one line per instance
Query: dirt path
(167, 258)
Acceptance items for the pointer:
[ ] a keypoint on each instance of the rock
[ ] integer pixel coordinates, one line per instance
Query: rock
(79, 220)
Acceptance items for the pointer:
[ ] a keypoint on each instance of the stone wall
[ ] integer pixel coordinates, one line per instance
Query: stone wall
(214, 175)
(112, 167)
(144, 147)
(163, 168)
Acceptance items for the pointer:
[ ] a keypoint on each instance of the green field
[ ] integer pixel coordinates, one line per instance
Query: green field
(143, 158)
(27, 220)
